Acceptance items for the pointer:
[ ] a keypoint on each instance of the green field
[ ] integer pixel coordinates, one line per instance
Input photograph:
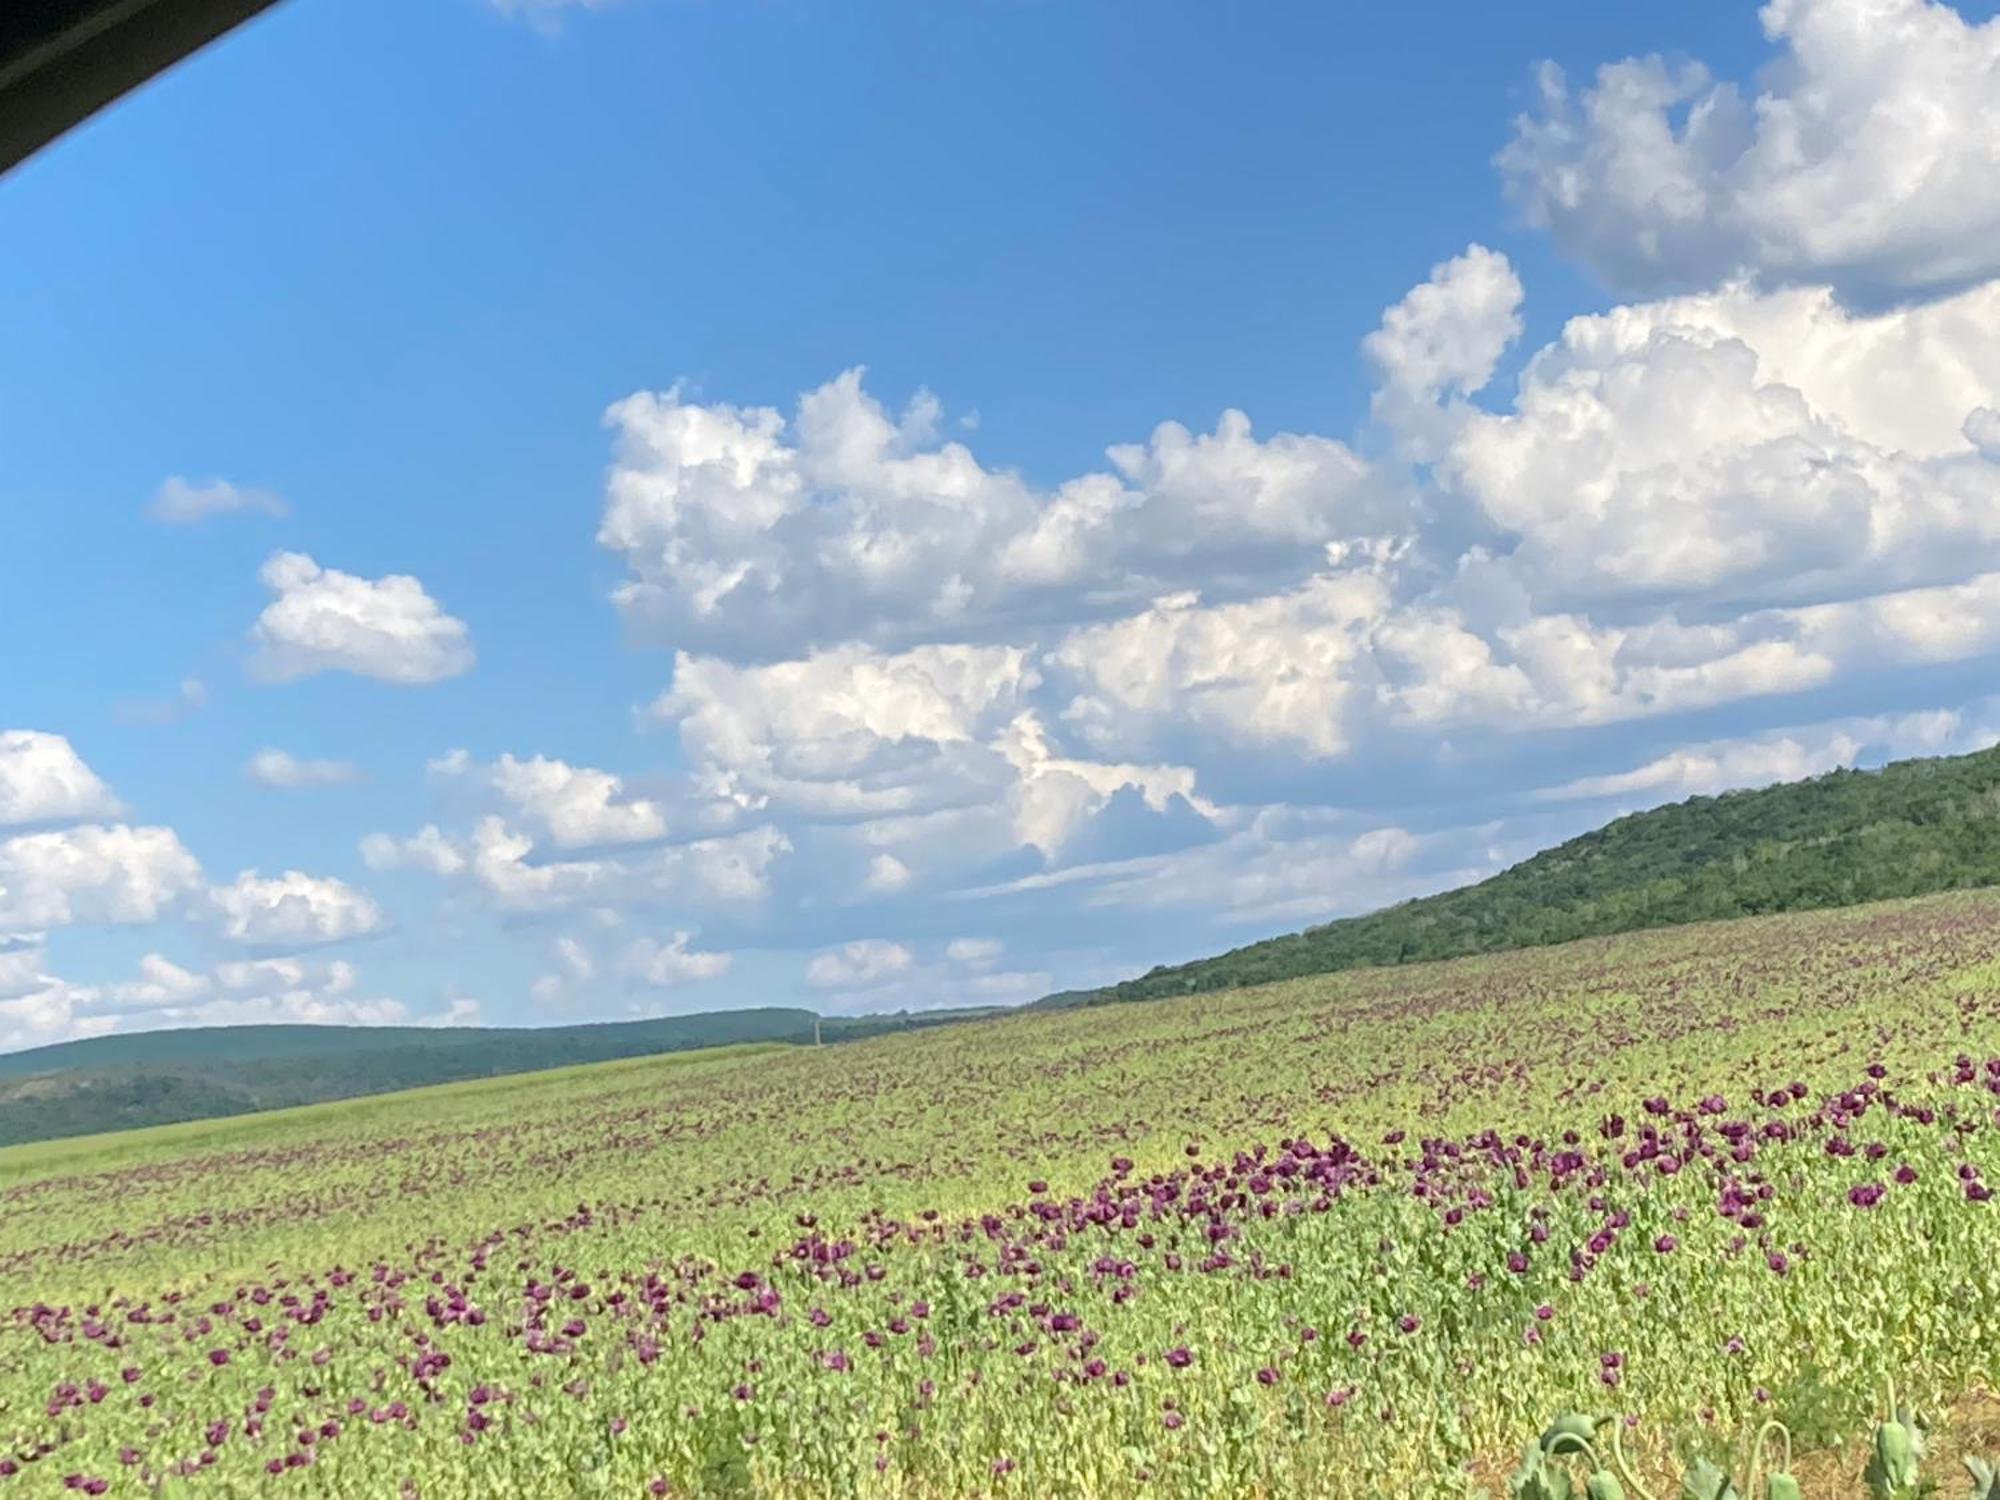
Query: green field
(1358, 1234)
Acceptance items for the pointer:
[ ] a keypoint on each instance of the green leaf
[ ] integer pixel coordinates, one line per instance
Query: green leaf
(1706, 1482)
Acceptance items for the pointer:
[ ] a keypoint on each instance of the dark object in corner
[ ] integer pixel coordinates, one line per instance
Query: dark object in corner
(63, 60)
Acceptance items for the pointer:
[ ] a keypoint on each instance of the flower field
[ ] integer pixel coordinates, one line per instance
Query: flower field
(1355, 1235)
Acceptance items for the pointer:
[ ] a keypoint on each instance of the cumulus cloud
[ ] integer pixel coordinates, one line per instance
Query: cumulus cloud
(570, 806)
(1285, 669)
(279, 770)
(658, 964)
(847, 730)
(166, 994)
(183, 502)
(44, 780)
(1763, 446)
(97, 873)
(858, 965)
(762, 537)
(1442, 340)
(293, 910)
(501, 864)
(51, 1012)
(886, 875)
(1867, 159)
(974, 952)
(857, 733)
(323, 620)
(249, 992)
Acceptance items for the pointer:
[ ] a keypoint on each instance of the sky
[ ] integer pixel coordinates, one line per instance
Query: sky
(526, 512)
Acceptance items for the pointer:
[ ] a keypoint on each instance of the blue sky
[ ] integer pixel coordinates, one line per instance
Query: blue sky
(453, 569)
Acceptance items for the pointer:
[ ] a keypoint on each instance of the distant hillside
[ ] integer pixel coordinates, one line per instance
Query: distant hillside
(1850, 836)
(160, 1077)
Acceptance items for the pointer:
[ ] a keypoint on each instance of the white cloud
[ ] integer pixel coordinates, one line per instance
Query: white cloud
(765, 538)
(1787, 755)
(462, 1010)
(974, 952)
(183, 502)
(663, 964)
(502, 865)
(21, 961)
(576, 959)
(1057, 794)
(51, 1012)
(886, 875)
(1764, 446)
(427, 849)
(1281, 670)
(293, 989)
(165, 994)
(324, 620)
(293, 909)
(281, 770)
(857, 733)
(44, 780)
(571, 806)
(861, 964)
(849, 731)
(1869, 158)
(161, 982)
(1442, 341)
(93, 873)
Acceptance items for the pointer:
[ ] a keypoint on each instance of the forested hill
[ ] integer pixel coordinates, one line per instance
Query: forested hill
(1908, 829)
(161, 1077)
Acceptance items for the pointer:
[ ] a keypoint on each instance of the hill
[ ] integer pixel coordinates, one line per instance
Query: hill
(1909, 829)
(163, 1077)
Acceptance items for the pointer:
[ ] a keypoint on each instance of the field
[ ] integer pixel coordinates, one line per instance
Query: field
(1356, 1235)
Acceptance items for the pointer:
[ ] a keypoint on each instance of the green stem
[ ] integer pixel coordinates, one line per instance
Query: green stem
(1568, 1444)
(1757, 1454)
(1618, 1453)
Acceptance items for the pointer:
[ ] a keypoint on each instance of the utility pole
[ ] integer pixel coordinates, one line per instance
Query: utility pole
(816, 1040)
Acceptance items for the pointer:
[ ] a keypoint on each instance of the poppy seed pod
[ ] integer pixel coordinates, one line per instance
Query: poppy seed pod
(1895, 1465)
(1569, 1432)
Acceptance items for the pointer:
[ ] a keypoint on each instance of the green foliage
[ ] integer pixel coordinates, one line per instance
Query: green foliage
(1841, 839)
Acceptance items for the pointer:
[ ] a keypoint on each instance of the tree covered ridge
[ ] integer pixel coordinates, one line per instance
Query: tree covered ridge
(1908, 829)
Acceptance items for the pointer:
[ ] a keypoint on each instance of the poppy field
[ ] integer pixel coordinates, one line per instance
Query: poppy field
(1362, 1234)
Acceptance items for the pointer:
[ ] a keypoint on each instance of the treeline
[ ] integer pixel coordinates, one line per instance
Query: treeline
(1909, 829)
(164, 1077)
